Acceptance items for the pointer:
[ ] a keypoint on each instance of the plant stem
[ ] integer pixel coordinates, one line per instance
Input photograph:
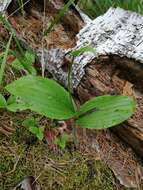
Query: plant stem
(74, 131)
(21, 6)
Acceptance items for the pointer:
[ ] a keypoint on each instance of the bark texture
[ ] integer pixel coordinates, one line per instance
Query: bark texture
(115, 68)
(4, 4)
(107, 71)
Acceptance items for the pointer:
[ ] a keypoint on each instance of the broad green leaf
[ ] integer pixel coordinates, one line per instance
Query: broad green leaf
(2, 101)
(82, 50)
(15, 104)
(105, 111)
(43, 96)
(33, 127)
(30, 122)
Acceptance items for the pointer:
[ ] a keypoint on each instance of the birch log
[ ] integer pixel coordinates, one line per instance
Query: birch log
(115, 68)
(4, 4)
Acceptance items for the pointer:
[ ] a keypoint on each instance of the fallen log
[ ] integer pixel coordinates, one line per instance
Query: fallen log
(115, 68)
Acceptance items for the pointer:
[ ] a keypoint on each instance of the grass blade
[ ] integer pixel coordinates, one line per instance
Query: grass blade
(58, 17)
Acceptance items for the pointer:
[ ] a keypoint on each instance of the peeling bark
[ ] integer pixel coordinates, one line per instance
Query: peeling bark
(4, 4)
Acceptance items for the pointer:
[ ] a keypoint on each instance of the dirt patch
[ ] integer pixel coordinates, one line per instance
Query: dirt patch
(32, 24)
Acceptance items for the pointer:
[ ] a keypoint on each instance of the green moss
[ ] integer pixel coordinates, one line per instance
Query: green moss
(23, 155)
(55, 170)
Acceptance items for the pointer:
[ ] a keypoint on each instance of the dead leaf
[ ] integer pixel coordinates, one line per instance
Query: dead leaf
(128, 89)
(50, 136)
(7, 130)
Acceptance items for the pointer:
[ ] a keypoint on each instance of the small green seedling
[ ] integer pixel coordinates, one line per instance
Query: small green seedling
(62, 140)
(33, 126)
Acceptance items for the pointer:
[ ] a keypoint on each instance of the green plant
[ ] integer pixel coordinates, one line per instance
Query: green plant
(61, 141)
(48, 98)
(33, 126)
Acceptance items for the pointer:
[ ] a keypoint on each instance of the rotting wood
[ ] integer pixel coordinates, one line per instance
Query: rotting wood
(117, 32)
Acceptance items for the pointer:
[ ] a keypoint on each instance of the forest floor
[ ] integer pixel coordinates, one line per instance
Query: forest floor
(23, 155)
(52, 169)
(99, 162)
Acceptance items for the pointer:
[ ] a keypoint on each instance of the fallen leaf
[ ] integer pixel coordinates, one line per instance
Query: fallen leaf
(128, 89)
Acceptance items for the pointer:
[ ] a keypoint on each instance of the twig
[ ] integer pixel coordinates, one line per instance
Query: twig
(14, 167)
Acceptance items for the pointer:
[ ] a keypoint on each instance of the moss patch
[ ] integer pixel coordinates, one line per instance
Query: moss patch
(61, 170)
